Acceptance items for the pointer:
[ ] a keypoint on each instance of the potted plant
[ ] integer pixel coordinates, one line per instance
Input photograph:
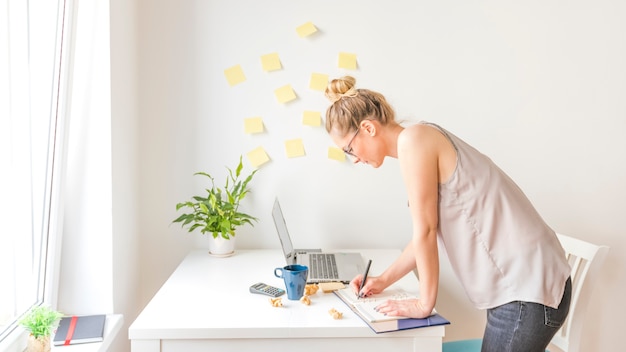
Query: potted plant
(217, 212)
(40, 321)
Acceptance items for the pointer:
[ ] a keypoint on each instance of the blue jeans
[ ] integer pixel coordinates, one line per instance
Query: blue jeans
(524, 326)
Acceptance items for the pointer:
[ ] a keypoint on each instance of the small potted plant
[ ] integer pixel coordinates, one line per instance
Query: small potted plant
(40, 321)
(217, 213)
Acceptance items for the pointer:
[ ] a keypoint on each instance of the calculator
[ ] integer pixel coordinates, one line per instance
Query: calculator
(266, 289)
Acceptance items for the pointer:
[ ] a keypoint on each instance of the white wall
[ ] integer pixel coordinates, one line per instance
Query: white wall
(537, 85)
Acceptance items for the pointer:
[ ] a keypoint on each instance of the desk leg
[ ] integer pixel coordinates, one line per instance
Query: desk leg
(145, 345)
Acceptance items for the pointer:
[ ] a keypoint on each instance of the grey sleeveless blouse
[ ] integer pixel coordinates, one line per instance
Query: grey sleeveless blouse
(498, 245)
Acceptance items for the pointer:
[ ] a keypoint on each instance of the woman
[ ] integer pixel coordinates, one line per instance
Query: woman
(506, 257)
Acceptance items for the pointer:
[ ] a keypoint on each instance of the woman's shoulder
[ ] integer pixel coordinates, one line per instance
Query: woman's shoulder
(419, 133)
(429, 142)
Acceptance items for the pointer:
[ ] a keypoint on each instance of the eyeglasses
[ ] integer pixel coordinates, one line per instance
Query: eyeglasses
(348, 149)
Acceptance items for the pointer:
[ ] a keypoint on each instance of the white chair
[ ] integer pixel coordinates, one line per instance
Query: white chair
(585, 259)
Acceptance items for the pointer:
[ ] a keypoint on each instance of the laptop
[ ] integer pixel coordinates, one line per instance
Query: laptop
(323, 266)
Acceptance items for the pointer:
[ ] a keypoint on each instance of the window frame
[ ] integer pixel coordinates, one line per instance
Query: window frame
(14, 337)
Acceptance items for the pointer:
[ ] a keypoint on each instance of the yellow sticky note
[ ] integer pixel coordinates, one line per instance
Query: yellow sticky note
(347, 60)
(294, 148)
(306, 29)
(234, 75)
(258, 157)
(318, 81)
(253, 125)
(335, 153)
(312, 118)
(285, 94)
(271, 62)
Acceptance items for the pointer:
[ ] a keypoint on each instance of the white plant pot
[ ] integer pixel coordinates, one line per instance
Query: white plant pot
(221, 247)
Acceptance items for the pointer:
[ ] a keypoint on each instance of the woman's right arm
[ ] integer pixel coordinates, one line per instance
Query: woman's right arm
(398, 269)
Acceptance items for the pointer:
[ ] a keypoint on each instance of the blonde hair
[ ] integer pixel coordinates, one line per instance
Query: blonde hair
(349, 106)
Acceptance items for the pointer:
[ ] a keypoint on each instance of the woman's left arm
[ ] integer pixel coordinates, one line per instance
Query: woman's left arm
(418, 158)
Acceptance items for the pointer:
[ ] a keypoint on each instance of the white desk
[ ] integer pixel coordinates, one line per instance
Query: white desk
(206, 304)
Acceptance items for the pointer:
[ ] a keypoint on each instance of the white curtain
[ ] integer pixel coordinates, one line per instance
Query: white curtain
(85, 281)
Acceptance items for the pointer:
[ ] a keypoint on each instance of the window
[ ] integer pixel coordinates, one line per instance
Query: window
(30, 136)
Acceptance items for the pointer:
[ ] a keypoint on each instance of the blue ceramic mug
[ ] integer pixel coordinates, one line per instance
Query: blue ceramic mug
(295, 279)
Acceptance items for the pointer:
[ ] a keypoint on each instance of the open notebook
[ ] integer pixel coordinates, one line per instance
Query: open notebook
(365, 308)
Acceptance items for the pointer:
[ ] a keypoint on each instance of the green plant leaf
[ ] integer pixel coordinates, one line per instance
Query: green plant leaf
(240, 166)
(180, 218)
(194, 226)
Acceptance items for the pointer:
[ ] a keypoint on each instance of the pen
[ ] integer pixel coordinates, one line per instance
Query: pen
(367, 269)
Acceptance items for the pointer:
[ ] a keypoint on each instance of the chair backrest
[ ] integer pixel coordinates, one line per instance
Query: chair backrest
(585, 259)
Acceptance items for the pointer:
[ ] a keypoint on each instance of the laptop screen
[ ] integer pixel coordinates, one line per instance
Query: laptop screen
(283, 234)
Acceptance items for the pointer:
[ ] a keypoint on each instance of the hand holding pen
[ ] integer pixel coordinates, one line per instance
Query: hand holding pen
(367, 269)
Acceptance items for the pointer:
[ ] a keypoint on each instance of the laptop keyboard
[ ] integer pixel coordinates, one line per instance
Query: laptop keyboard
(323, 266)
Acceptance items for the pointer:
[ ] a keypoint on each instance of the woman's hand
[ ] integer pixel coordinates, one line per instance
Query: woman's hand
(411, 308)
(373, 285)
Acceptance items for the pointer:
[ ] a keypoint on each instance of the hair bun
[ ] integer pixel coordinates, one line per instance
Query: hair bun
(341, 87)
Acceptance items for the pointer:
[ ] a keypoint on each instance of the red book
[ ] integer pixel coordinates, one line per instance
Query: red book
(80, 329)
